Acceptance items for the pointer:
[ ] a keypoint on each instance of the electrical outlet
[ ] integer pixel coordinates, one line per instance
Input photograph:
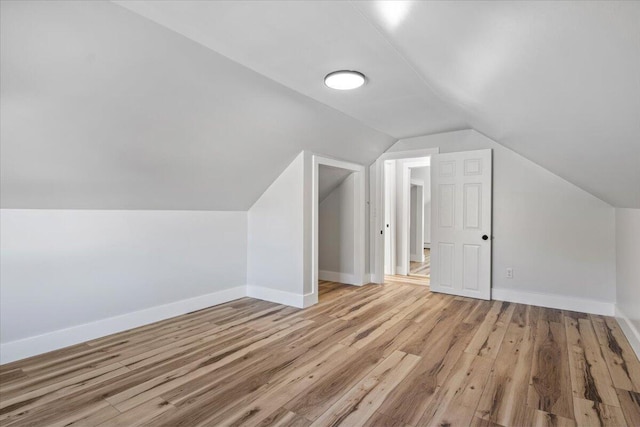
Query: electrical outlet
(509, 273)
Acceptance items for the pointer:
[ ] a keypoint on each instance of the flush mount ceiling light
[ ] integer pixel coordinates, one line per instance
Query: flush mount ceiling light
(344, 80)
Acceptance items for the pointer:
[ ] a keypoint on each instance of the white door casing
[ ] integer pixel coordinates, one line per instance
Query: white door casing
(377, 204)
(359, 207)
(461, 188)
(404, 209)
(416, 252)
(389, 225)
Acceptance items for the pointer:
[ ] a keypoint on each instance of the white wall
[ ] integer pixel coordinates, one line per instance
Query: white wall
(413, 221)
(628, 273)
(403, 243)
(78, 269)
(401, 233)
(416, 221)
(424, 175)
(277, 253)
(335, 234)
(73, 138)
(558, 239)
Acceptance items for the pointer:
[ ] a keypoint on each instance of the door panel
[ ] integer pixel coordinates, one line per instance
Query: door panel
(446, 263)
(471, 264)
(461, 215)
(446, 205)
(472, 207)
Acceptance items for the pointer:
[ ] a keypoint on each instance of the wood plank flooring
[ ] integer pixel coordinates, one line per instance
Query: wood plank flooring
(421, 268)
(390, 355)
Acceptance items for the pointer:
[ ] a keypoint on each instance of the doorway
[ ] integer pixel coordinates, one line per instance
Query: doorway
(338, 223)
(460, 223)
(390, 217)
(406, 188)
(419, 224)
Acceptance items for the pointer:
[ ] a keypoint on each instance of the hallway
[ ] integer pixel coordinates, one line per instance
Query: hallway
(421, 268)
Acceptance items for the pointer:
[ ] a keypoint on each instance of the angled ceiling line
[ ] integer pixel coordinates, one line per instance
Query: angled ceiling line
(169, 123)
(561, 176)
(445, 99)
(465, 110)
(119, 3)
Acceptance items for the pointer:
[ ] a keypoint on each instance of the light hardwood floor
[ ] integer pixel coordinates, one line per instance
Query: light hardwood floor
(391, 355)
(421, 268)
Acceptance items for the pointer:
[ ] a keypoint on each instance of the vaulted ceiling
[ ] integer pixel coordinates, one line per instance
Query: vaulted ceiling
(199, 105)
(104, 109)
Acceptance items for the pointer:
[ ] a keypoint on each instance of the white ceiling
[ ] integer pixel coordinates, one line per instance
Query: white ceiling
(557, 82)
(297, 43)
(330, 178)
(102, 108)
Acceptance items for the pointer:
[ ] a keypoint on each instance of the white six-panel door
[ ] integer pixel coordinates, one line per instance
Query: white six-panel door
(461, 223)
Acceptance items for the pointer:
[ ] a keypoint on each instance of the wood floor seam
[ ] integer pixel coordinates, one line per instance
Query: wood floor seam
(392, 355)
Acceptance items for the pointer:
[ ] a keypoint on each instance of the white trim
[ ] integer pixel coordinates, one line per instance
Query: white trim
(309, 299)
(376, 216)
(389, 233)
(27, 347)
(629, 329)
(404, 219)
(334, 276)
(427, 245)
(417, 252)
(554, 301)
(359, 202)
(281, 297)
(409, 154)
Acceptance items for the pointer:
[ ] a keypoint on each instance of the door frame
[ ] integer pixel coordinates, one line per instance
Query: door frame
(376, 215)
(458, 232)
(390, 235)
(359, 203)
(405, 211)
(418, 211)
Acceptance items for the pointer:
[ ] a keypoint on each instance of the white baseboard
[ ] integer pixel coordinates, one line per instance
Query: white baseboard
(629, 329)
(334, 276)
(27, 347)
(368, 278)
(309, 299)
(373, 278)
(417, 258)
(427, 245)
(281, 297)
(554, 301)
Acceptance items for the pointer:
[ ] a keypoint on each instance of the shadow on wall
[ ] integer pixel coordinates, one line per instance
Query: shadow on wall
(336, 225)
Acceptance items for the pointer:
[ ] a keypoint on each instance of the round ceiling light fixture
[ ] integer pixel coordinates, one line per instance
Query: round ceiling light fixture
(344, 80)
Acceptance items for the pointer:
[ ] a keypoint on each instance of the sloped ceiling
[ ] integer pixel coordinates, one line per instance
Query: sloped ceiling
(104, 109)
(557, 82)
(330, 178)
(200, 105)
